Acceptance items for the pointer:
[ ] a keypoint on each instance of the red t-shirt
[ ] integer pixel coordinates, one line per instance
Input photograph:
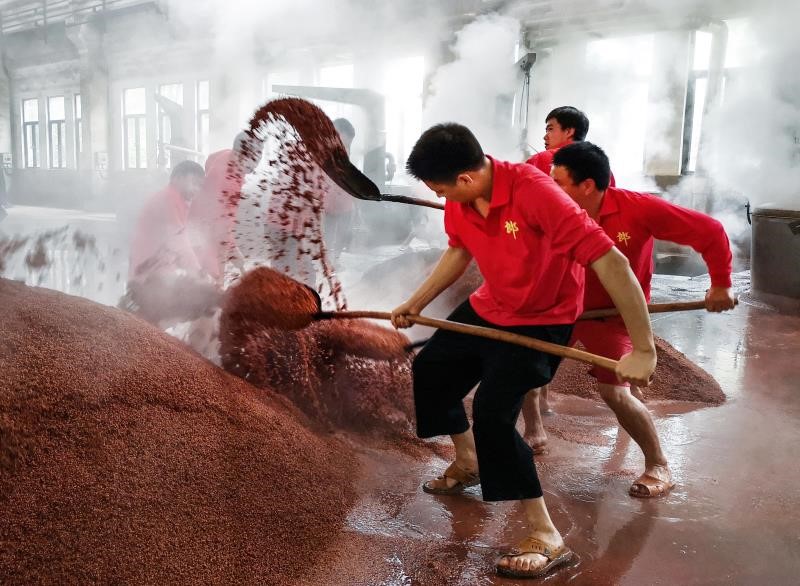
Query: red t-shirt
(160, 239)
(544, 162)
(527, 248)
(632, 220)
(213, 212)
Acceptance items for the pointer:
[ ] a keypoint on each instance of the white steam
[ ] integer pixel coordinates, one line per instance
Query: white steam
(477, 88)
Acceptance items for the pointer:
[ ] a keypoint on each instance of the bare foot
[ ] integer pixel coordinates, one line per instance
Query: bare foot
(656, 481)
(526, 563)
(537, 440)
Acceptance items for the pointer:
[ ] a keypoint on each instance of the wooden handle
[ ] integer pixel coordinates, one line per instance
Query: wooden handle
(412, 200)
(652, 308)
(491, 333)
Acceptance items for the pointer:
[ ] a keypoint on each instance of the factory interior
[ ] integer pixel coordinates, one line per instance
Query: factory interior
(162, 421)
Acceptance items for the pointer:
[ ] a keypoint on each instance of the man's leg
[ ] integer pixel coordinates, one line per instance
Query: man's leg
(544, 401)
(637, 421)
(508, 471)
(535, 434)
(444, 371)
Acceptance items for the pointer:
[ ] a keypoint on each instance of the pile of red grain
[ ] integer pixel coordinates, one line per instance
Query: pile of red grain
(344, 374)
(126, 458)
(676, 379)
(266, 298)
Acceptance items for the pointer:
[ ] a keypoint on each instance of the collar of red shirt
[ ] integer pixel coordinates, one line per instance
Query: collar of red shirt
(501, 184)
(609, 205)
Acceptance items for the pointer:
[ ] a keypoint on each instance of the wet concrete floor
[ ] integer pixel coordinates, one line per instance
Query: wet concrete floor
(734, 517)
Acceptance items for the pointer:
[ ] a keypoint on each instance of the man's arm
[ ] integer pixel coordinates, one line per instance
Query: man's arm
(615, 274)
(451, 266)
(667, 221)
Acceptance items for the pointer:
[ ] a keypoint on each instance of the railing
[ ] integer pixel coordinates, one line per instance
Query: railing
(21, 15)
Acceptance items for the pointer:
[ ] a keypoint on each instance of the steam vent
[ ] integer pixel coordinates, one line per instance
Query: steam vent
(399, 293)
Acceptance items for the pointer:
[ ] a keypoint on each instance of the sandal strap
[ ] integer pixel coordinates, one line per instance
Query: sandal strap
(534, 545)
(458, 474)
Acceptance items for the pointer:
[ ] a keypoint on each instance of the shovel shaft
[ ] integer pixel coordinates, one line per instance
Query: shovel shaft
(652, 308)
(491, 333)
(411, 200)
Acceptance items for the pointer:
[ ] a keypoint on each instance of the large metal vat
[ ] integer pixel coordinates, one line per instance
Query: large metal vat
(775, 253)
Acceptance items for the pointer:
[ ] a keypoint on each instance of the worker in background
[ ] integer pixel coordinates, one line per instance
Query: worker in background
(632, 220)
(562, 126)
(160, 238)
(337, 223)
(212, 217)
(528, 239)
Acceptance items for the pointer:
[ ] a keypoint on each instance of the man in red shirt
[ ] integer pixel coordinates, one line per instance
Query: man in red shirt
(528, 239)
(212, 217)
(563, 125)
(632, 220)
(160, 239)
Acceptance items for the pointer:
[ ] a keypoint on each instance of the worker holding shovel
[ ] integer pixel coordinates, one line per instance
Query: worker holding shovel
(530, 241)
(632, 220)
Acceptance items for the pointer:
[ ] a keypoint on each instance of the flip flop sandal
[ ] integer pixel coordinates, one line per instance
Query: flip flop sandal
(555, 558)
(655, 487)
(463, 480)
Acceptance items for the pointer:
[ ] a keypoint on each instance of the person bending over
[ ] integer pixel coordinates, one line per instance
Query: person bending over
(632, 220)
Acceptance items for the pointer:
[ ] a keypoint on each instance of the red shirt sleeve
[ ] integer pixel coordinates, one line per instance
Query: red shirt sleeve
(453, 239)
(667, 221)
(570, 229)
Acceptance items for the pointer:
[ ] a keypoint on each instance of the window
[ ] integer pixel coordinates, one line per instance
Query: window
(78, 131)
(56, 131)
(30, 132)
(695, 100)
(336, 76)
(134, 128)
(170, 113)
(741, 50)
(402, 86)
(203, 120)
(619, 114)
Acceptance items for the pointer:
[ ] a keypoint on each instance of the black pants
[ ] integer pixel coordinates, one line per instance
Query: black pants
(451, 364)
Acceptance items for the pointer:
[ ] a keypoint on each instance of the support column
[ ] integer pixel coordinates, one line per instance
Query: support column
(6, 130)
(667, 99)
(95, 159)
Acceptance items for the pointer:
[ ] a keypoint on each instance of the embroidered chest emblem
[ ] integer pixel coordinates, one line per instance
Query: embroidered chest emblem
(512, 228)
(623, 237)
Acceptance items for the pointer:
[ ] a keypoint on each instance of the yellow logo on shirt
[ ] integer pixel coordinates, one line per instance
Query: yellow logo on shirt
(623, 237)
(512, 228)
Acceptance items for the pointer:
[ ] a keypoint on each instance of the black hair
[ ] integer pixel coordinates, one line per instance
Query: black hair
(443, 152)
(584, 160)
(344, 126)
(185, 168)
(569, 117)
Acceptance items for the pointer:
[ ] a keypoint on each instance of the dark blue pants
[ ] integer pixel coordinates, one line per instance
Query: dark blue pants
(451, 364)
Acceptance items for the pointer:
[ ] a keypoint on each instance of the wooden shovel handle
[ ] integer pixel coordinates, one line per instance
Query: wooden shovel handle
(491, 333)
(411, 200)
(652, 308)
